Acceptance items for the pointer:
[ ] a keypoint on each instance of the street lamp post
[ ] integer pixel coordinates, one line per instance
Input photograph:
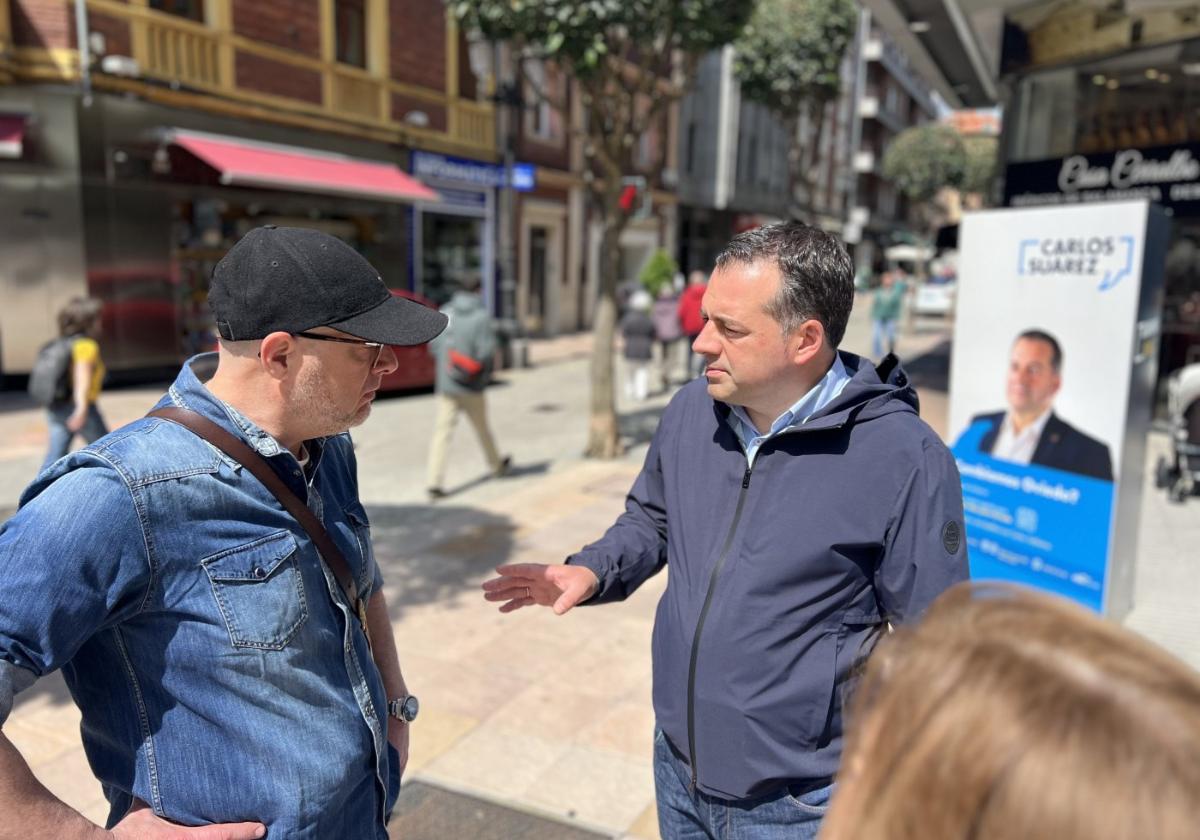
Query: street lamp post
(488, 65)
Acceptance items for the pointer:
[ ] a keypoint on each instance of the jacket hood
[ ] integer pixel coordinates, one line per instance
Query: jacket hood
(873, 391)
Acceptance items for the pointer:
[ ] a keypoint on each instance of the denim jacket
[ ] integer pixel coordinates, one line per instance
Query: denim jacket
(221, 673)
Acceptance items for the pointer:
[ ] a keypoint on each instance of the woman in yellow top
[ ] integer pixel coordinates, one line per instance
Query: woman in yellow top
(79, 320)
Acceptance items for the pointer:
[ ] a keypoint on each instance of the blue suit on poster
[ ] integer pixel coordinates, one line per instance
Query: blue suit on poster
(1033, 524)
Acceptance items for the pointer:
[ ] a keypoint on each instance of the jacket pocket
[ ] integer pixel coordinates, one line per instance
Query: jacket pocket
(859, 634)
(259, 591)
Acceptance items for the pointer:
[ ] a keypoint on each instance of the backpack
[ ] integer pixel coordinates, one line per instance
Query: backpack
(50, 379)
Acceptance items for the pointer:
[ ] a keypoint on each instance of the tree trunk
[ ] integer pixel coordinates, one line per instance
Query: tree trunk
(802, 160)
(603, 429)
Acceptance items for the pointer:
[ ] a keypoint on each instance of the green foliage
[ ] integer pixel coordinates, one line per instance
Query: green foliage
(658, 272)
(790, 53)
(578, 35)
(925, 158)
(981, 164)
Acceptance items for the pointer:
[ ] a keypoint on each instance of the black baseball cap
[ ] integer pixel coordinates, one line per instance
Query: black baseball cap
(283, 279)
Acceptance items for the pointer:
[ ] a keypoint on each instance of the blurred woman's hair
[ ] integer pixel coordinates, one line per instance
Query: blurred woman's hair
(1009, 715)
(80, 315)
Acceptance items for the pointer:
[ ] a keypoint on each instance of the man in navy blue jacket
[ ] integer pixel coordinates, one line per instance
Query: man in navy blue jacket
(800, 505)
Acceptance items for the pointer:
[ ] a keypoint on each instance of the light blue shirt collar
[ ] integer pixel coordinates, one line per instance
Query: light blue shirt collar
(819, 396)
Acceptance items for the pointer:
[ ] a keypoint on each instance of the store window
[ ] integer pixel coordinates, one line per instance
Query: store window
(1137, 100)
(190, 9)
(451, 251)
(544, 87)
(350, 31)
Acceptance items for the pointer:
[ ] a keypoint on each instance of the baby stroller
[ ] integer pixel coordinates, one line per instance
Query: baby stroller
(1179, 473)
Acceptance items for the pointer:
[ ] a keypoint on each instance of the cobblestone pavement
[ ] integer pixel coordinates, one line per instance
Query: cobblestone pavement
(550, 716)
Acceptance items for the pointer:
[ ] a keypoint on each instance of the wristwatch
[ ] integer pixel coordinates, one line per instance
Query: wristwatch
(404, 709)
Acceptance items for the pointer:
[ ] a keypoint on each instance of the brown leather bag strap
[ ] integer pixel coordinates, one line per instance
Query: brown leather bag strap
(236, 449)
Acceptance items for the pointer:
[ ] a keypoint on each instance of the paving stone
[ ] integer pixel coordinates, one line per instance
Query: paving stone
(496, 760)
(645, 827)
(602, 788)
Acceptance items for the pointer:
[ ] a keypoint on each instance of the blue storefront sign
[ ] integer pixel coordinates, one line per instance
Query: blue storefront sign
(429, 166)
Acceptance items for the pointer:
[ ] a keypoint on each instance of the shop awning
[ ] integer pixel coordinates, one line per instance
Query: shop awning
(12, 135)
(247, 163)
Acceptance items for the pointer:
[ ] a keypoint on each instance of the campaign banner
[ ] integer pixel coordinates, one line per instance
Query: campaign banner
(1050, 390)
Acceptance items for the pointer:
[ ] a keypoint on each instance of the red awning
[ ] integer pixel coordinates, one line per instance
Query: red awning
(12, 135)
(249, 164)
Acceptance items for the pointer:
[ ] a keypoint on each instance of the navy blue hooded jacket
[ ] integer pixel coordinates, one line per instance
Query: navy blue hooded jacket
(781, 577)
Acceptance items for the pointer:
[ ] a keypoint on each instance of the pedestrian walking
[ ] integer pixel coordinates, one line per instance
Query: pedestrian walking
(886, 303)
(204, 577)
(639, 334)
(68, 376)
(464, 367)
(691, 320)
(800, 506)
(668, 332)
(1034, 717)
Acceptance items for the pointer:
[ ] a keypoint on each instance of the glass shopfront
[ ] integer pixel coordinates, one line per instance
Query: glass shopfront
(451, 252)
(1122, 126)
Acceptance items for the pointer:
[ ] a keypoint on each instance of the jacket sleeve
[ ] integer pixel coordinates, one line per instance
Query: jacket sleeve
(73, 561)
(925, 548)
(635, 547)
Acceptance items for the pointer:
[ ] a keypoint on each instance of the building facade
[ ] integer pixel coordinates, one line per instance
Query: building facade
(1100, 103)
(130, 166)
(891, 97)
(733, 153)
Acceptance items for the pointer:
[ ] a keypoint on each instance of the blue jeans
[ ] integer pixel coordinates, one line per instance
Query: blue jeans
(789, 814)
(882, 330)
(93, 429)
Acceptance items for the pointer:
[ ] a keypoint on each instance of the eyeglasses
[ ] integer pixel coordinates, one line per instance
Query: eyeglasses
(370, 345)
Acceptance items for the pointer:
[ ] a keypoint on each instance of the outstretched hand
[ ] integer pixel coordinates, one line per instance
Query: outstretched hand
(526, 584)
(141, 823)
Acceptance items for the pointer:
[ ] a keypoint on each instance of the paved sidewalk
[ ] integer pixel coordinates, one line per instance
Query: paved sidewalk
(548, 715)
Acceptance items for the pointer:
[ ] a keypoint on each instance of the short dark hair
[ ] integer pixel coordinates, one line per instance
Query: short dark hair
(78, 316)
(1055, 350)
(816, 272)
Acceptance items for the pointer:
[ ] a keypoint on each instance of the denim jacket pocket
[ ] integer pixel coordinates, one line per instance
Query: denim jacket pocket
(259, 591)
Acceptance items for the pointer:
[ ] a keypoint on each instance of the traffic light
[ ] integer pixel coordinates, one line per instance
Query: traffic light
(635, 197)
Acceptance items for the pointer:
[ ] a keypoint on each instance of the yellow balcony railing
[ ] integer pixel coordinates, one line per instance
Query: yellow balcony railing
(5, 36)
(204, 57)
(176, 50)
(473, 124)
(357, 94)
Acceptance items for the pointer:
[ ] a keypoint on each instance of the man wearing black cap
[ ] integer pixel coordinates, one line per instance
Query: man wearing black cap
(205, 580)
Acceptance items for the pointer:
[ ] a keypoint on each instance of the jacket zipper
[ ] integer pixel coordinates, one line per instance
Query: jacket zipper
(712, 583)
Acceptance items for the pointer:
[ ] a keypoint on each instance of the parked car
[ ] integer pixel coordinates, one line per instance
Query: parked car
(416, 366)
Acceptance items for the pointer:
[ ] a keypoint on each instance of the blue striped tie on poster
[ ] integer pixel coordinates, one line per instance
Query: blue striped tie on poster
(1051, 385)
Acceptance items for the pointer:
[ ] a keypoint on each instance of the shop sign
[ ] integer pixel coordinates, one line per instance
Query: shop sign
(1166, 175)
(429, 166)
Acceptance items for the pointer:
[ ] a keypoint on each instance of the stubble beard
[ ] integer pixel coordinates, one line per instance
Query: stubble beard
(316, 405)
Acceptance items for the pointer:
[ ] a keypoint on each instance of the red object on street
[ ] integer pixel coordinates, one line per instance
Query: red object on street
(250, 164)
(416, 367)
(12, 135)
(689, 309)
(628, 199)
